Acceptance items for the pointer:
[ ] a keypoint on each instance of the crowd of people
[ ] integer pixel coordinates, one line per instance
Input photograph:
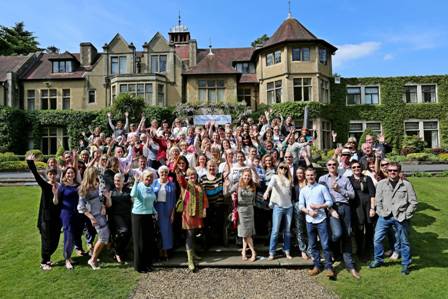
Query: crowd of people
(158, 186)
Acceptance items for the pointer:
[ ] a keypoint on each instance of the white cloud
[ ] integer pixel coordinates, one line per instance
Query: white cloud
(388, 56)
(350, 52)
(416, 40)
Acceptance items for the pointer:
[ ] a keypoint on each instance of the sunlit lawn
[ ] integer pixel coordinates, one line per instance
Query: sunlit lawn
(429, 245)
(20, 275)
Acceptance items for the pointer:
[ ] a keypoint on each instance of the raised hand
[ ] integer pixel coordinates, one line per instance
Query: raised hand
(381, 138)
(30, 157)
(109, 114)
(126, 114)
(136, 177)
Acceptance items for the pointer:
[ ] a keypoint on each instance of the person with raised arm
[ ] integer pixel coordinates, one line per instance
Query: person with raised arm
(118, 129)
(48, 221)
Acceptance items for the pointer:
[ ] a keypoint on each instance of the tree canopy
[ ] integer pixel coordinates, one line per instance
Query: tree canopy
(16, 40)
(260, 40)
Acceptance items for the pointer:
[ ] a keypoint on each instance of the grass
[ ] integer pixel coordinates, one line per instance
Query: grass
(20, 275)
(429, 246)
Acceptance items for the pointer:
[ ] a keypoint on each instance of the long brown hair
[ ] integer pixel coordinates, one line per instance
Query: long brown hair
(251, 184)
(64, 180)
(89, 181)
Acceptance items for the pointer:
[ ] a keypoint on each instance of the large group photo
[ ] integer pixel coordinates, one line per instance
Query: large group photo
(173, 170)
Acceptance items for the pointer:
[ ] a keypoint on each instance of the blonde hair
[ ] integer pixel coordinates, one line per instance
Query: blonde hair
(286, 166)
(89, 181)
(251, 184)
(147, 173)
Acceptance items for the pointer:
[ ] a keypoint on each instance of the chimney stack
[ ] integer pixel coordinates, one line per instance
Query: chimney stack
(88, 54)
(192, 51)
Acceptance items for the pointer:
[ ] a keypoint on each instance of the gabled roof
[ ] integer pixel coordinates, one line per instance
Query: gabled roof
(42, 70)
(211, 64)
(292, 30)
(63, 56)
(11, 64)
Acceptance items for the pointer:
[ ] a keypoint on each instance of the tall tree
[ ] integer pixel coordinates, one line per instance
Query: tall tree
(16, 40)
(260, 40)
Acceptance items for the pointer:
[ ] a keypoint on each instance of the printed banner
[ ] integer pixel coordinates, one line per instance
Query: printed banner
(219, 119)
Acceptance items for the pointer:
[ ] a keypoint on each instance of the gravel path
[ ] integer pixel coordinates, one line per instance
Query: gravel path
(230, 283)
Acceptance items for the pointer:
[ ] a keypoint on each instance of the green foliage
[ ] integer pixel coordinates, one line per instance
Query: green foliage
(59, 151)
(296, 110)
(159, 113)
(421, 157)
(12, 128)
(38, 156)
(396, 158)
(8, 156)
(260, 40)
(18, 165)
(413, 144)
(16, 40)
(126, 102)
(392, 112)
(443, 157)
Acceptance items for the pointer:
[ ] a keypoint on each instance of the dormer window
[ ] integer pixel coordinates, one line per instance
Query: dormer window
(62, 66)
(245, 67)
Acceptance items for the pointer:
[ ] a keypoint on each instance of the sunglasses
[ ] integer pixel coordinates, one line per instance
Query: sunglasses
(356, 167)
(282, 167)
(384, 164)
(331, 164)
(392, 170)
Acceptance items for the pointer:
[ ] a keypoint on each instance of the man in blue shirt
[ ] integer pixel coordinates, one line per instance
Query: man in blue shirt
(313, 200)
(340, 221)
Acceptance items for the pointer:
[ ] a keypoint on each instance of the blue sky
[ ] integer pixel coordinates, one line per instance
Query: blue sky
(375, 38)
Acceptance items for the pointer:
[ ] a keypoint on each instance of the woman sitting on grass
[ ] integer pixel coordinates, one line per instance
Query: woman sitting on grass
(91, 205)
(48, 221)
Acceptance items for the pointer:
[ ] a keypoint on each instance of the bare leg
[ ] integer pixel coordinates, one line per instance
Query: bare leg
(250, 242)
(243, 252)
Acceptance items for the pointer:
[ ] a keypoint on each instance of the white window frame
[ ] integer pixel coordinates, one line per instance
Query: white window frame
(156, 68)
(30, 98)
(363, 94)
(275, 89)
(302, 88)
(212, 93)
(273, 55)
(364, 124)
(420, 93)
(48, 98)
(421, 130)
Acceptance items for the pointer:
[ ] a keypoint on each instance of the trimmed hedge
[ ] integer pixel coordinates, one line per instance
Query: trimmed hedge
(19, 165)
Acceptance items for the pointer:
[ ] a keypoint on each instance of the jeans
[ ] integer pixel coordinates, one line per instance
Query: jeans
(401, 232)
(320, 229)
(341, 233)
(277, 215)
(300, 226)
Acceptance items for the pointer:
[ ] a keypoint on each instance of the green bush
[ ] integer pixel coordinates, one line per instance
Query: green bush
(8, 156)
(412, 144)
(37, 154)
(159, 113)
(126, 102)
(421, 157)
(12, 130)
(396, 158)
(443, 157)
(19, 165)
(422, 174)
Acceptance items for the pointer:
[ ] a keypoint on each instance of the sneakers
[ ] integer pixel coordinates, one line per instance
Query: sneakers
(314, 271)
(375, 264)
(45, 267)
(395, 256)
(93, 264)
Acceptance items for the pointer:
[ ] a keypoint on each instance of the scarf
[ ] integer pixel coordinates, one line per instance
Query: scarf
(196, 199)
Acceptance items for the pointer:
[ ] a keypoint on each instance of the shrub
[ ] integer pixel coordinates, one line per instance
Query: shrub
(412, 144)
(12, 130)
(19, 165)
(443, 156)
(396, 158)
(422, 157)
(8, 156)
(422, 174)
(39, 157)
(126, 102)
(159, 113)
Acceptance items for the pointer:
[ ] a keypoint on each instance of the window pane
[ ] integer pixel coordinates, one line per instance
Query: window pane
(429, 93)
(410, 94)
(220, 95)
(61, 66)
(123, 88)
(323, 56)
(201, 83)
(55, 67)
(411, 126)
(114, 65)
(306, 81)
(306, 54)
(92, 96)
(162, 63)
(123, 65)
(295, 54)
(429, 125)
(140, 88)
(297, 93)
(353, 90)
(68, 66)
(269, 59)
(53, 93)
(306, 93)
(211, 83)
(154, 64)
(270, 85)
(277, 57)
(202, 95)
(374, 126)
(220, 83)
(356, 127)
(131, 88)
(278, 83)
(431, 138)
(212, 96)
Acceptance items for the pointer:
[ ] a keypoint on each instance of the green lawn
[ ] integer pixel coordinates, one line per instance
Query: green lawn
(429, 245)
(20, 275)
